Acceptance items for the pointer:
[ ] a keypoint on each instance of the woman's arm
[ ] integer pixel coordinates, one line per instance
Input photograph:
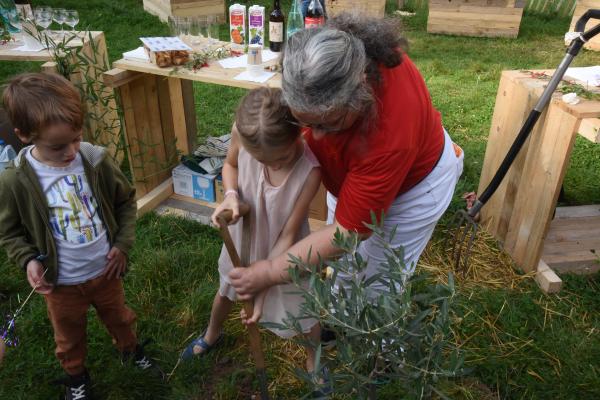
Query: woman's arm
(266, 273)
(230, 180)
(296, 219)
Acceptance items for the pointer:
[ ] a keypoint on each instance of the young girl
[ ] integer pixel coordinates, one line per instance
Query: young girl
(270, 168)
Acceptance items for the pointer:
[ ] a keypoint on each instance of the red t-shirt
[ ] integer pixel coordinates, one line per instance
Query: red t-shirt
(366, 172)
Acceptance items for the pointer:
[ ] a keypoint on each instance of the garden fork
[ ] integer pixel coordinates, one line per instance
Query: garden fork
(466, 229)
(224, 219)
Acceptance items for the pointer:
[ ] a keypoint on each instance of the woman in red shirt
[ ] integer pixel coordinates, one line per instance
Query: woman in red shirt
(369, 119)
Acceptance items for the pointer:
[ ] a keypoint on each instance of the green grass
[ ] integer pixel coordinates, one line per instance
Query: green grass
(519, 343)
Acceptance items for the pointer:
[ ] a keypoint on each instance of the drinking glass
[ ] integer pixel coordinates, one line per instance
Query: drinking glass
(212, 29)
(43, 17)
(197, 30)
(72, 19)
(58, 15)
(184, 26)
(13, 20)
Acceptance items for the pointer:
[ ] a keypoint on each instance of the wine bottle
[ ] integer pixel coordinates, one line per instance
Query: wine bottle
(315, 15)
(276, 27)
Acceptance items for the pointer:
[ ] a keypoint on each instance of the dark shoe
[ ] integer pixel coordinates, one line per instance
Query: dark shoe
(141, 361)
(325, 388)
(328, 339)
(78, 387)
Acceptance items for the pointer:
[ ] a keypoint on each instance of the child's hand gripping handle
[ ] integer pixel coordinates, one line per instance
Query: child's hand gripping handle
(224, 218)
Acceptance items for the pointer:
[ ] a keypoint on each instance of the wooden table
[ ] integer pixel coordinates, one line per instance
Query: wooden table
(160, 123)
(522, 214)
(102, 124)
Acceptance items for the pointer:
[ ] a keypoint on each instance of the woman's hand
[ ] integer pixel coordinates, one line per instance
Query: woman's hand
(259, 302)
(231, 202)
(249, 281)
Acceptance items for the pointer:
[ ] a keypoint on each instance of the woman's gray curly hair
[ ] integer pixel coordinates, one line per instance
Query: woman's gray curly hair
(337, 67)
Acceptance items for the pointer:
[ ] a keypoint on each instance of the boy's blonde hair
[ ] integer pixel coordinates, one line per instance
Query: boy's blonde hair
(33, 101)
(264, 121)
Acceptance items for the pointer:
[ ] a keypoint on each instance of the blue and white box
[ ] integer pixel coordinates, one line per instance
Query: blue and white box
(192, 184)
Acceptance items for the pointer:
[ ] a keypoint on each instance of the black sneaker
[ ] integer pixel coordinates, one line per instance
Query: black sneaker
(141, 360)
(78, 387)
(327, 339)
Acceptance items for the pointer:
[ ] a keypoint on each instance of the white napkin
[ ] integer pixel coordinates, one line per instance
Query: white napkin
(138, 54)
(589, 75)
(28, 49)
(242, 61)
(260, 78)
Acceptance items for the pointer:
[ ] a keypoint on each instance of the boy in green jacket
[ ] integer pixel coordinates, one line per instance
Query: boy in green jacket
(67, 217)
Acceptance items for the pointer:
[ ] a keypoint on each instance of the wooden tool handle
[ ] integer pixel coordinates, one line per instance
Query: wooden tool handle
(227, 215)
(253, 332)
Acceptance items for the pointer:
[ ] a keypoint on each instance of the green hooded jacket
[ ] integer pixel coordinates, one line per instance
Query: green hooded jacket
(25, 231)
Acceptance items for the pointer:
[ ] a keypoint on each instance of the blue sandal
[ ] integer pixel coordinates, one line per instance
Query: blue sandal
(188, 352)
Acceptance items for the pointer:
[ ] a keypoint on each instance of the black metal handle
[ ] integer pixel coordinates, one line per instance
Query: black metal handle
(589, 14)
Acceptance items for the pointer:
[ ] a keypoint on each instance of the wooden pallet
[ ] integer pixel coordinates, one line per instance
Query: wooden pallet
(372, 8)
(164, 9)
(580, 9)
(521, 212)
(488, 18)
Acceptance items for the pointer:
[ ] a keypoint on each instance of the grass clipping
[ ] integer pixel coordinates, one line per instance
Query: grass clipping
(489, 266)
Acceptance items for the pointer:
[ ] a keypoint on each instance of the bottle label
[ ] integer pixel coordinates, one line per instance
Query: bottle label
(310, 22)
(276, 32)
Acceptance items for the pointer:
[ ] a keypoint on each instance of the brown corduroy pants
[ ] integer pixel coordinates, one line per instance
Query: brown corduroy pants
(67, 310)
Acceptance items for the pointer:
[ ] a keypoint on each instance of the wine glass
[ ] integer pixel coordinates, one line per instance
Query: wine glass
(43, 17)
(58, 15)
(72, 19)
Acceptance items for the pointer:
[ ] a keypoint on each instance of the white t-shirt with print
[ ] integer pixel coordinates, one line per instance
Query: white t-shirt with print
(79, 234)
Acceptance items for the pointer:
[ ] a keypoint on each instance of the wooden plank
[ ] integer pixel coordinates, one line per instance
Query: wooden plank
(513, 104)
(541, 180)
(189, 109)
(143, 158)
(577, 212)
(166, 118)
(590, 129)
(214, 73)
(548, 281)
(153, 198)
(50, 67)
(178, 111)
(155, 137)
(118, 77)
(577, 262)
(131, 140)
(573, 229)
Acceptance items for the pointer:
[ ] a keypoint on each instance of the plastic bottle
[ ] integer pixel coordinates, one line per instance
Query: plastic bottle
(295, 19)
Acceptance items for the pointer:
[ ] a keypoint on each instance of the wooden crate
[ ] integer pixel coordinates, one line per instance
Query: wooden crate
(522, 214)
(373, 8)
(185, 8)
(488, 18)
(580, 9)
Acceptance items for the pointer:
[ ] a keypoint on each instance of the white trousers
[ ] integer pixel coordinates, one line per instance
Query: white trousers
(414, 214)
